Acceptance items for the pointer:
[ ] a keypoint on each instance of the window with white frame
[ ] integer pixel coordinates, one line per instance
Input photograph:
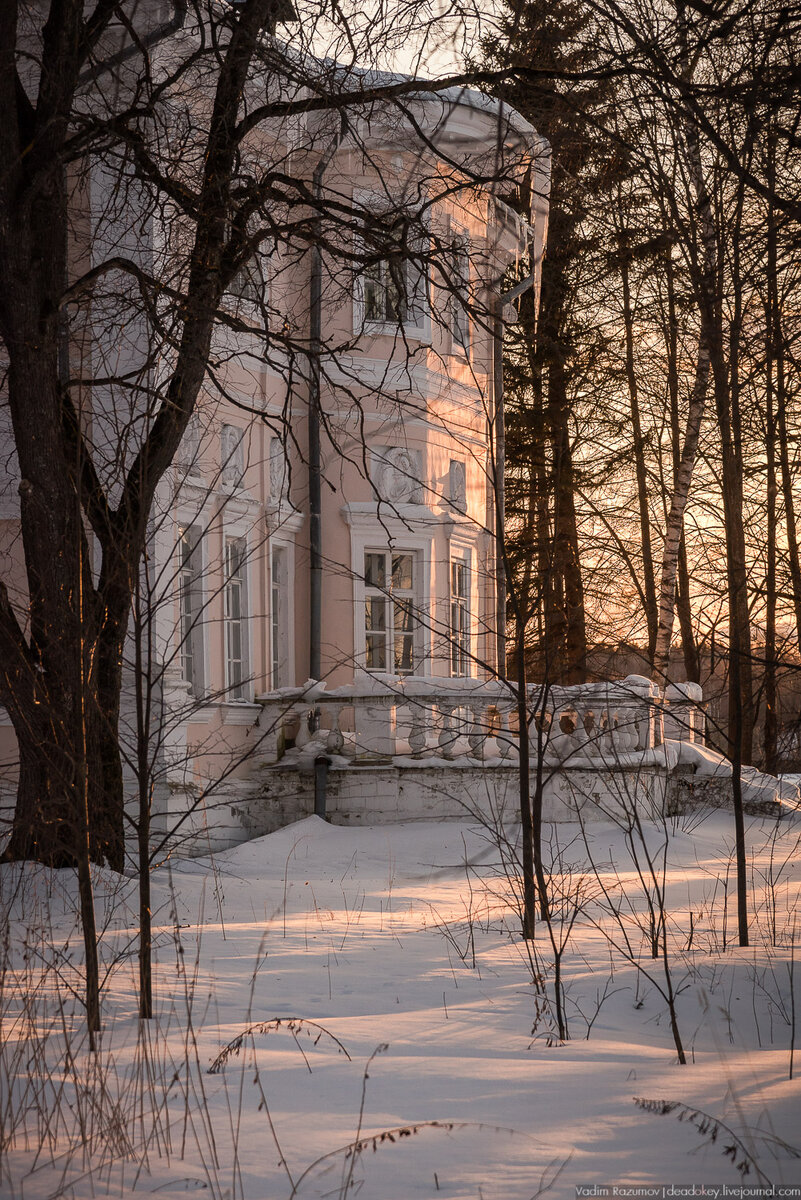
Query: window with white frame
(460, 294)
(460, 617)
(394, 284)
(249, 283)
(279, 617)
(391, 602)
(235, 614)
(190, 607)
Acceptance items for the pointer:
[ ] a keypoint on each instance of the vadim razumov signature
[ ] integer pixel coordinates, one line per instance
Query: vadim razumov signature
(701, 1191)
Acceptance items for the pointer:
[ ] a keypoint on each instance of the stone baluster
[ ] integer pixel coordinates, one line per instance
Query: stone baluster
(335, 741)
(477, 735)
(417, 729)
(447, 733)
(606, 733)
(309, 721)
(583, 740)
(504, 738)
(625, 731)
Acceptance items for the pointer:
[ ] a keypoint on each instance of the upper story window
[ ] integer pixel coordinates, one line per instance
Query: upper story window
(250, 282)
(248, 290)
(394, 293)
(460, 295)
(392, 287)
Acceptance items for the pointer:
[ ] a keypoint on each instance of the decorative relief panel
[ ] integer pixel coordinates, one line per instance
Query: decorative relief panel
(397, 474)
(457, 485)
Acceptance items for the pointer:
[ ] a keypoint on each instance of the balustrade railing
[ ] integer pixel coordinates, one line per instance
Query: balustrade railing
(379, 719)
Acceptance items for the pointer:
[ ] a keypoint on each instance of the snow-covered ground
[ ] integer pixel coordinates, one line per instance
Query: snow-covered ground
(400, 1009)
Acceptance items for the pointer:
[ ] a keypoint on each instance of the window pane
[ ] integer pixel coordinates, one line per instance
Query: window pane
(375, 570)
(395, 290)
(374, 295)
(377, 651)
(404, 620)
(404, 653)
(402, 569)
(375, 615)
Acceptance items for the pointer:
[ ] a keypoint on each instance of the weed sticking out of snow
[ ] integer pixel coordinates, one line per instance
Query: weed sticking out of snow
(345, 1012)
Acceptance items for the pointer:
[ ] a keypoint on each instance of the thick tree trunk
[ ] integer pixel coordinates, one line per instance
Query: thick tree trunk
(55, 750)
(60, 674)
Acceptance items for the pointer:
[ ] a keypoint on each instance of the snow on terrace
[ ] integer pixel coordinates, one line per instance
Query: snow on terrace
(384, 937)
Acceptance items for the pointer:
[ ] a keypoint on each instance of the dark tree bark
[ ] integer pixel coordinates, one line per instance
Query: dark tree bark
(66, 720)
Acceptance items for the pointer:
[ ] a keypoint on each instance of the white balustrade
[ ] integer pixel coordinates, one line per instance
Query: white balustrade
(380, 718)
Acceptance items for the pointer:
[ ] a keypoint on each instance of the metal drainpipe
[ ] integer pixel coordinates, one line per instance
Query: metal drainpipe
(315, 481)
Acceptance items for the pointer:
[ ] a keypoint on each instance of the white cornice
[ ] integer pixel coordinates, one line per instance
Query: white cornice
(367, 514)
(281, 518)
(417, 379)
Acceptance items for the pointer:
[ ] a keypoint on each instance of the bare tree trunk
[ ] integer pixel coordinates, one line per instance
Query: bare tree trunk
(526, 816)
(568, 631)
(649, 585)
(770, 734)
(707, 283)
(692, 666)
(788, 492)
(674, 527)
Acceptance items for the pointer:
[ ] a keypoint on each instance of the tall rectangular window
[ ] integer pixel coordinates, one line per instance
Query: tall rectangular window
(250, 282)
(279, 613)
(394, 286)
(190, 604)
(390, 603)
(460, 295)
(460, 618)
(236, 665)
(384, 292)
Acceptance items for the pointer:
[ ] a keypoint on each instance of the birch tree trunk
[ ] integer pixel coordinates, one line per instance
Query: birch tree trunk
(674, 527)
